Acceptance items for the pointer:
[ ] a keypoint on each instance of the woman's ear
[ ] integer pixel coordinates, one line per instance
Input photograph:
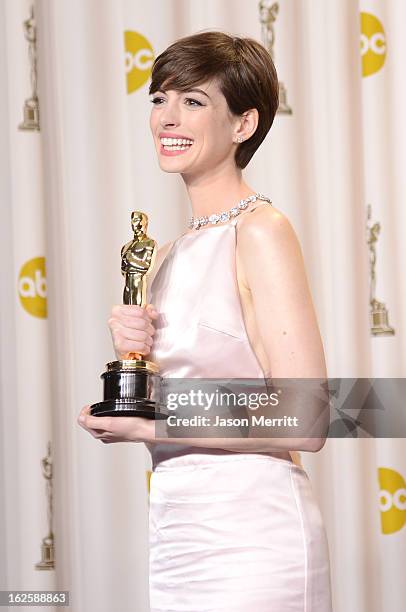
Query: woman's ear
(247, 125)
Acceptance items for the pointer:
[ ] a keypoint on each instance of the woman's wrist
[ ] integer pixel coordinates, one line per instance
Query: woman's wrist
(146, 431)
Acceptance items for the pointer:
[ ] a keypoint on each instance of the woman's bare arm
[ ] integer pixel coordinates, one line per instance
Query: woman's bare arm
(274, 272)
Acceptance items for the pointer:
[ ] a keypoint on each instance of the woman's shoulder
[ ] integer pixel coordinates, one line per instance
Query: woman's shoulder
(163, 250)
(267, 225)
(267, 244)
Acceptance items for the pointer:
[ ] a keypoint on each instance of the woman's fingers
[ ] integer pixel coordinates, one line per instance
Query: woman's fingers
(96, 426)
(130, 323)
(132, 310)
(152, 311)
(109, 429)
(131, 328)
(83, 419)
(84, 412)
(129, 333)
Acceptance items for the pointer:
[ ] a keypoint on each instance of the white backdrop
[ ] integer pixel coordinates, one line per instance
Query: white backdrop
(67, 191)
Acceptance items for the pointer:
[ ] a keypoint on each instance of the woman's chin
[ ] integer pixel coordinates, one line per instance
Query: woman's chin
(172, 166)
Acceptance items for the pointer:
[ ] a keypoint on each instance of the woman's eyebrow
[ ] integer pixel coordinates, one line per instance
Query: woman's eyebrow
(196, 90)
(199, 91)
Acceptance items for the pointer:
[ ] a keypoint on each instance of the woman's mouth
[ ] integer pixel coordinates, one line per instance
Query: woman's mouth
(174, 146)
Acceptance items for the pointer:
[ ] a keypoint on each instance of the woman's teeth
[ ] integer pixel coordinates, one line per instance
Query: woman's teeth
(175, 144)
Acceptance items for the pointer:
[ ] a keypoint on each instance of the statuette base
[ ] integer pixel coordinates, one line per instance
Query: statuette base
(135, 407)
(379, 320)
(132, 387)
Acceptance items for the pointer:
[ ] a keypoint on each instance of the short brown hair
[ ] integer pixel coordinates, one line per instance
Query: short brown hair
(242, 67)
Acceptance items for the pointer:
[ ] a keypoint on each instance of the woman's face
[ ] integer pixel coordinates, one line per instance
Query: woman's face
(201, 117)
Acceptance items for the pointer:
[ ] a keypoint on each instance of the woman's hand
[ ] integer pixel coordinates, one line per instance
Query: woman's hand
(117, 429)
(131, 329)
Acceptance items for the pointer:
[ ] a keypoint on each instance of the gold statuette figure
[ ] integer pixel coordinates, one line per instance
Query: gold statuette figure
(132, 386)
(137, 259)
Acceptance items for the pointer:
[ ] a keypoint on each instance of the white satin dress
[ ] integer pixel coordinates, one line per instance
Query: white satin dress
(228, 531)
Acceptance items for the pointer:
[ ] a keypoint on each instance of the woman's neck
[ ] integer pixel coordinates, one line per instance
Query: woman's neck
(216, 194)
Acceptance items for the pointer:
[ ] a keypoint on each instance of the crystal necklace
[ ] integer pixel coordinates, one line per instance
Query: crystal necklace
(227, 214)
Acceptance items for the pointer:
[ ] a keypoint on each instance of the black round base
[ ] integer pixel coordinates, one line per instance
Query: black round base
(128, 407)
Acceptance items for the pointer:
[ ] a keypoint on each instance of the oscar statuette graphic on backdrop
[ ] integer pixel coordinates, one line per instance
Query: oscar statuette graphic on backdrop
(31, 105)
(47, 546)
(379, 316)
(268, 12)
(133, 386)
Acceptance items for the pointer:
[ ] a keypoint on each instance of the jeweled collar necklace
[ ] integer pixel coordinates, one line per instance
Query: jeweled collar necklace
(225, 215)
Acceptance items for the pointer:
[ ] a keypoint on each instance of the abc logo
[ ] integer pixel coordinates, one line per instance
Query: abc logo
(148, 475)
(32, 287)
(373, 44)
(139, 57)
(392, 500)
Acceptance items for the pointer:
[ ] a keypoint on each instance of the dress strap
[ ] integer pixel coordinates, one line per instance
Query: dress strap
(258, 203)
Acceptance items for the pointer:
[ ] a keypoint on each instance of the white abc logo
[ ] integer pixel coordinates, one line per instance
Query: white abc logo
(141, 60)
(375, 43)
(31, 287)
(387, 500)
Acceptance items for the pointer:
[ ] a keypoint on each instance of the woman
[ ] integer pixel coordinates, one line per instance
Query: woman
(233, 521)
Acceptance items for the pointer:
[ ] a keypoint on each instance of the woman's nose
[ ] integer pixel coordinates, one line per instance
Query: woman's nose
(169, 115)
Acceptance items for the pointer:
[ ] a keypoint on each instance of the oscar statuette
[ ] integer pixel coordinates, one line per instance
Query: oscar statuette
(132, 386)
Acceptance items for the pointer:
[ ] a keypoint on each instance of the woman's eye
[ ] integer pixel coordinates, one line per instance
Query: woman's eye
(155, 100)
(192, 100)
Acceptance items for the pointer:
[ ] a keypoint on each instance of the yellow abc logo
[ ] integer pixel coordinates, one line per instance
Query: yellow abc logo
(32, 287)
(373, 44)
(139, 57)
(392, 500)
(148, 475)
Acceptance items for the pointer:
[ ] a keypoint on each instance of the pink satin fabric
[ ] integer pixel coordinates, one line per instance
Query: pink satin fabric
(200, 331)
(228, 530)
